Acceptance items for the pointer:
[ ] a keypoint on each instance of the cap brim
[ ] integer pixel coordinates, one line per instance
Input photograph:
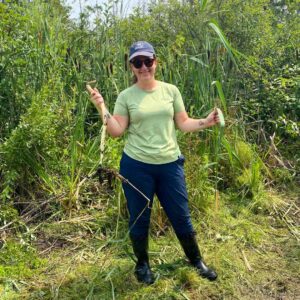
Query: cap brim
(141, 53)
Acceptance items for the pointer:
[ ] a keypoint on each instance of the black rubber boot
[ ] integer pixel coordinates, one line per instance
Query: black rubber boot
(191, 250)
(142, 272)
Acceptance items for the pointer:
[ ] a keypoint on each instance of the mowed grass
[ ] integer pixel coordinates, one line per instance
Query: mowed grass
(81, 257)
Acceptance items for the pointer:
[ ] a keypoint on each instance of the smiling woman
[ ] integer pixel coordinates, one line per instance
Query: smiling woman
(143, 65)
(151, 110)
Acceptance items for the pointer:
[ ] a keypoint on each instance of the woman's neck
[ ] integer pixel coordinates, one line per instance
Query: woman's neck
(147, 85)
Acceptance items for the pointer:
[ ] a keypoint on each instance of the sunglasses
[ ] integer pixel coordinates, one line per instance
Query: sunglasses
(148, 62)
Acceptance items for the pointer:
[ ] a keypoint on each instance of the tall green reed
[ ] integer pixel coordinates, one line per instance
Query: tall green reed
(194, 55)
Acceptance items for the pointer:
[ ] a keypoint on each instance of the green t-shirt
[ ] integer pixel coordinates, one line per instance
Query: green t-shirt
(151, 132)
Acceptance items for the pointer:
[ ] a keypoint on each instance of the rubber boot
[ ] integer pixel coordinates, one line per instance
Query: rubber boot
(142, 272)
(191, 250)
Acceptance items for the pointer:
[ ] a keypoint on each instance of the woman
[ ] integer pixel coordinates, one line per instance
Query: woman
(151, 161)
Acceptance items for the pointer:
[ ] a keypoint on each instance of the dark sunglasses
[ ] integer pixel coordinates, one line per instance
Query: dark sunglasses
(148, 62)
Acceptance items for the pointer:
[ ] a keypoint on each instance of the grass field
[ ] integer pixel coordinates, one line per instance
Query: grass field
(87, 254)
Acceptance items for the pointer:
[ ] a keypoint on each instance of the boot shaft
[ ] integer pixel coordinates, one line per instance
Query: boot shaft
(190, 247)
(140, 249)
(191, 250)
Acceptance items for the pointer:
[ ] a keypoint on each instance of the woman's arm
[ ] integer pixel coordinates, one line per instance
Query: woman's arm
(186, 124)
(117, 124)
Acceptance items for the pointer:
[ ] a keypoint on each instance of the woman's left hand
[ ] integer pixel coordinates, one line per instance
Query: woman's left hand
(213, 118)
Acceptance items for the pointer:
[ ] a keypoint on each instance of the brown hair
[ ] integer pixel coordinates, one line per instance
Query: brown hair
(134, 79)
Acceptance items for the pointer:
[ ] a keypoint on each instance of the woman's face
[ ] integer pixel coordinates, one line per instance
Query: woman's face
(143, 68)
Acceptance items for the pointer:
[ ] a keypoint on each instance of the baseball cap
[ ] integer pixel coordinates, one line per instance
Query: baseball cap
(141, 48)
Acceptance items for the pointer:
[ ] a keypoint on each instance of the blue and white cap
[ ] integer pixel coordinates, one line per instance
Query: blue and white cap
(141, 48)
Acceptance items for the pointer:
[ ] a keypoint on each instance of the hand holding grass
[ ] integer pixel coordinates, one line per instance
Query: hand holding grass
(213, 118)
(96, 97)
(116, 125)
(187, 124)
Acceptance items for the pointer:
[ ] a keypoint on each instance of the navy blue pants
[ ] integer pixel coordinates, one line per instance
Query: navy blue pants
(167, 181)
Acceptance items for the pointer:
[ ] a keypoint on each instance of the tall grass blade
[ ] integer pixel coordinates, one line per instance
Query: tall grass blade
(231, 51)
(221, 94)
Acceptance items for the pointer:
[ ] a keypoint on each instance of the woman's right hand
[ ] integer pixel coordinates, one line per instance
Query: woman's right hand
(96, 97)
(117, 124)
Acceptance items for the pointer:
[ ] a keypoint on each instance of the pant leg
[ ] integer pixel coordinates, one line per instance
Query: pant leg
(139, 174)
(172, 194)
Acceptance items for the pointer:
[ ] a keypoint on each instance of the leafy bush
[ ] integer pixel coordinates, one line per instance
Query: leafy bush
(32, 151)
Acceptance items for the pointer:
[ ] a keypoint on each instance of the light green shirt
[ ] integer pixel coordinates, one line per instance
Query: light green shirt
(151, 132)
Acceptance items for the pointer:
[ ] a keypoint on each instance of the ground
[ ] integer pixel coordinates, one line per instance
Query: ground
(87, 255)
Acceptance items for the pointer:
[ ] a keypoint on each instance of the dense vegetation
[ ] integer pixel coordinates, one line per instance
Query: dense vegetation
(63, 235)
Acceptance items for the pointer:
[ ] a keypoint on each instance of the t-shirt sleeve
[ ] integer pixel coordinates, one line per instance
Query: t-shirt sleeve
(178, 102)
(121, 106)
